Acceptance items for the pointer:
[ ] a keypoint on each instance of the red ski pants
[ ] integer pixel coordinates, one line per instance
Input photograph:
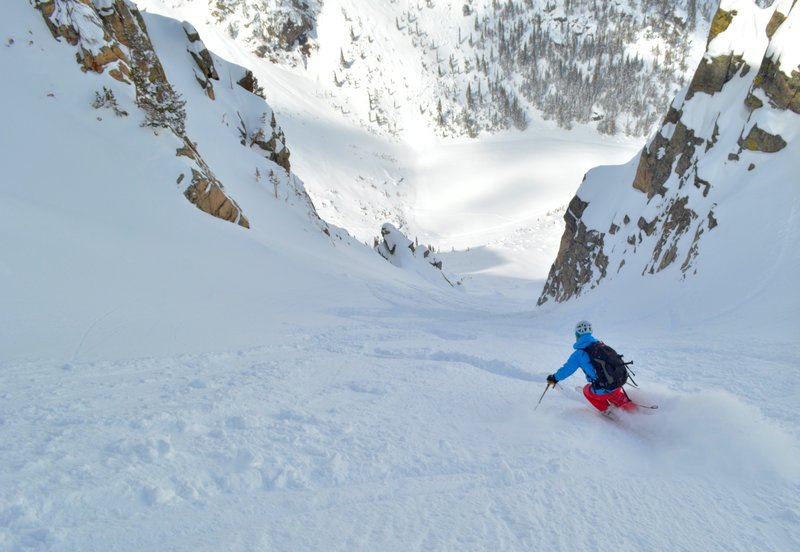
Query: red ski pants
(601, 402)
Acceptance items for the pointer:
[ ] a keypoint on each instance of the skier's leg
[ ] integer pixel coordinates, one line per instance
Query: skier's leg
(600, 402)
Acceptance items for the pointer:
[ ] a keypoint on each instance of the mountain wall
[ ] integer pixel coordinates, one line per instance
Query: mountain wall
(732, 131)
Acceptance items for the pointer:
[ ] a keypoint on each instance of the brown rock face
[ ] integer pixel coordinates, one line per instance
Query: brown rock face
(207, 193)
(205, 64)
(657, 160)
(720, 23)
(122, 24)
(107, 55)
(208, 196)
(780, 85)
(782, 89)
(713, 73)
(669, 159)
(250, 83)
(276, 151)
(760, 140)
(292, 31)
(580, 253)
(775, 21)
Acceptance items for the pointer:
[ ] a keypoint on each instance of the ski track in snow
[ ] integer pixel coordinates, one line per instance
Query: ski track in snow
(361, 438)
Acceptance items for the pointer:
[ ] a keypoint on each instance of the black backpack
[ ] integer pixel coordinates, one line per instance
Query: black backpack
(611, 370)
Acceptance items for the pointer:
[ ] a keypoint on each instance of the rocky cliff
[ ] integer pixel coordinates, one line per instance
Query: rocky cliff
(110, 38)
(723, 131)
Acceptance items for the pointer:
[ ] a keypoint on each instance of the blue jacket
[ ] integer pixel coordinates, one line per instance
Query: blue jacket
(580, 359)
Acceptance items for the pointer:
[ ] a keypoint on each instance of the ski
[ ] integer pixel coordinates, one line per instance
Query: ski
(579, 389)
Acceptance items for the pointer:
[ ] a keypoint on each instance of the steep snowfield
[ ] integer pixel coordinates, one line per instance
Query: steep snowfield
(171, 381)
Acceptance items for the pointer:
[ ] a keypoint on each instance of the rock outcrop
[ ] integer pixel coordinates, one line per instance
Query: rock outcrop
(206, 192)
(396, 248)
(204, 70)
(728, 121)
(267, 137)
(580, 262)
(98, 29)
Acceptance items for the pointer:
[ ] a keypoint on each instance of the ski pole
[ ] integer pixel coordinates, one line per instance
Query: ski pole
(540, 398)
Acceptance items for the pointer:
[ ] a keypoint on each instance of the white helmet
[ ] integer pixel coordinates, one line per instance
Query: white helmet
(583, 327)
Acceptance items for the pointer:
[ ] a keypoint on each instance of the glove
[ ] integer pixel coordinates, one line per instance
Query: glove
(551, 380)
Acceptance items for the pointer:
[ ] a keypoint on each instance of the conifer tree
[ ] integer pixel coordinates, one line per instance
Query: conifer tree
(162, 106)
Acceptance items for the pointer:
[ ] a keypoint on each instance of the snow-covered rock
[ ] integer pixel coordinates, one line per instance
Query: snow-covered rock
(205, 71)
(396, 248)
(280, 30)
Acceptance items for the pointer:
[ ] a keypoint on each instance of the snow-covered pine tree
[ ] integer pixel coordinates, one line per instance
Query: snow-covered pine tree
(162, 106)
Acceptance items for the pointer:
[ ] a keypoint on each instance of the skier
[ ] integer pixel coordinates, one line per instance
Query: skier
(601, 399)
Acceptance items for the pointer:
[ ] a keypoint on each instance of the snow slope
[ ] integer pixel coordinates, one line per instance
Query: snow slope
(407, 427)
(171, 381)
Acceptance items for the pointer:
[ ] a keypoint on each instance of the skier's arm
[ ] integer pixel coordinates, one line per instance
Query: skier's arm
(572, 364)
